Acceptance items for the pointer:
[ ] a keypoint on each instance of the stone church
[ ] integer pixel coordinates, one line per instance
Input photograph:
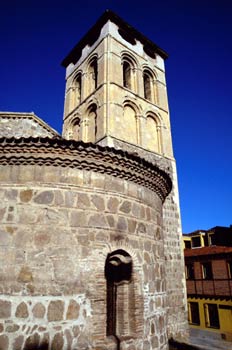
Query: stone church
(90, 234)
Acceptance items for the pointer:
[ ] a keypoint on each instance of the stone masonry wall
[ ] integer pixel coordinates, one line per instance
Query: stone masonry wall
(177, 324)
(57, 227)
(23, 125)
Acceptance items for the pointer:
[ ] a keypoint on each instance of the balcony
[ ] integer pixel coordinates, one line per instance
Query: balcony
(213, 287)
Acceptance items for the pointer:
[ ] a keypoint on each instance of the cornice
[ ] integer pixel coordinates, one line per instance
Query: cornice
(85, 156)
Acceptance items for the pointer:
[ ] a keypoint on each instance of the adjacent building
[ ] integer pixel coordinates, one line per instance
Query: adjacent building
(208, 269)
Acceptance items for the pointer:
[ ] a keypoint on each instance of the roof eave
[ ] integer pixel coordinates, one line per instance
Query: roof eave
(94, 32)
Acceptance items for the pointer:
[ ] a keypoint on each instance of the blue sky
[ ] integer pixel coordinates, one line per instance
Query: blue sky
(36, 35)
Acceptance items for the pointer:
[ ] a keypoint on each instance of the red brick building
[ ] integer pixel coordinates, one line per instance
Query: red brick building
(209, 283)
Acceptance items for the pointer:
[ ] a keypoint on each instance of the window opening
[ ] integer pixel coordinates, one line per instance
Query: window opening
(120, 296)
(196, 242)
(189, 268)
(78, 89)
(76, 129)
(126, 75)
(92, 124)
(93, 75)
(207, 273)
(147, 86)
(187, 244)
(211, 316)
(193, 313)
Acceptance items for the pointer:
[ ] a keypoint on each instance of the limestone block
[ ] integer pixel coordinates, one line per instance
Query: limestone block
(113, 204)
(131, 225)
(70, 199)
(44, 197)
(98, 202)
(18, 342)
(97, 220)
(57, 342)
(5, 309)
(38, 310)
(125, 207)
(78, 219)
(122, 224)
(110, 220)
(26, 195)
(25, 275)
(83, 201)
(69, 338)
(73, 310)
(41, 239)
(4, 342)
(22, 311)
(55, 310)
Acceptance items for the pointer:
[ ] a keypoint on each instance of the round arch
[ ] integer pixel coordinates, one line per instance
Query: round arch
(129, 71)
(152, 139)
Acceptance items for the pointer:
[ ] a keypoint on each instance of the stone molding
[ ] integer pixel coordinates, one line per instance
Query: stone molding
(85, 156)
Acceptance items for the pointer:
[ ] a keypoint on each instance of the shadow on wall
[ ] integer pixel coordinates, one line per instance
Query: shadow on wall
(43, 346)
(175, 345)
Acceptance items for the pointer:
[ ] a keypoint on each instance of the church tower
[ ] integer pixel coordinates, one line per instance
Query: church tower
(90, 232)
(116, 91)
(116, 96)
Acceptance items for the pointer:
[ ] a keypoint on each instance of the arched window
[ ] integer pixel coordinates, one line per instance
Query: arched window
(77, 90)
(150, 86)
(147, 84)
(92, 73)
(75, 129)
(120, 294)
(130, 132)
(128, 72)
(152, 139)
(127, 75)
(92, 124)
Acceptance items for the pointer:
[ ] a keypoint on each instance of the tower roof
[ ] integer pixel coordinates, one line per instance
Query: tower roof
(131, 33)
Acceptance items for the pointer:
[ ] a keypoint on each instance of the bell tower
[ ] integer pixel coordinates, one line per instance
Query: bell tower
(116, 96)
(115, 89)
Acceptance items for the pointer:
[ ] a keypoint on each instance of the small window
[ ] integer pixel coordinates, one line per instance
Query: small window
(187, 244)
(189, 271)
(77, 89)
(207, 273)
(196, 241)
(93, 75)
(76, 129)
(120, 293)
(193, 313)
(211, 316)
(126, 75)
(147, 84)
(91, 126)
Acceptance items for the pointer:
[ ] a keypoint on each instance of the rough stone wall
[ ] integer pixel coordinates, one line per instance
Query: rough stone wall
(57, 226)
(23, 125)
(177, 325)
(175, 275)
